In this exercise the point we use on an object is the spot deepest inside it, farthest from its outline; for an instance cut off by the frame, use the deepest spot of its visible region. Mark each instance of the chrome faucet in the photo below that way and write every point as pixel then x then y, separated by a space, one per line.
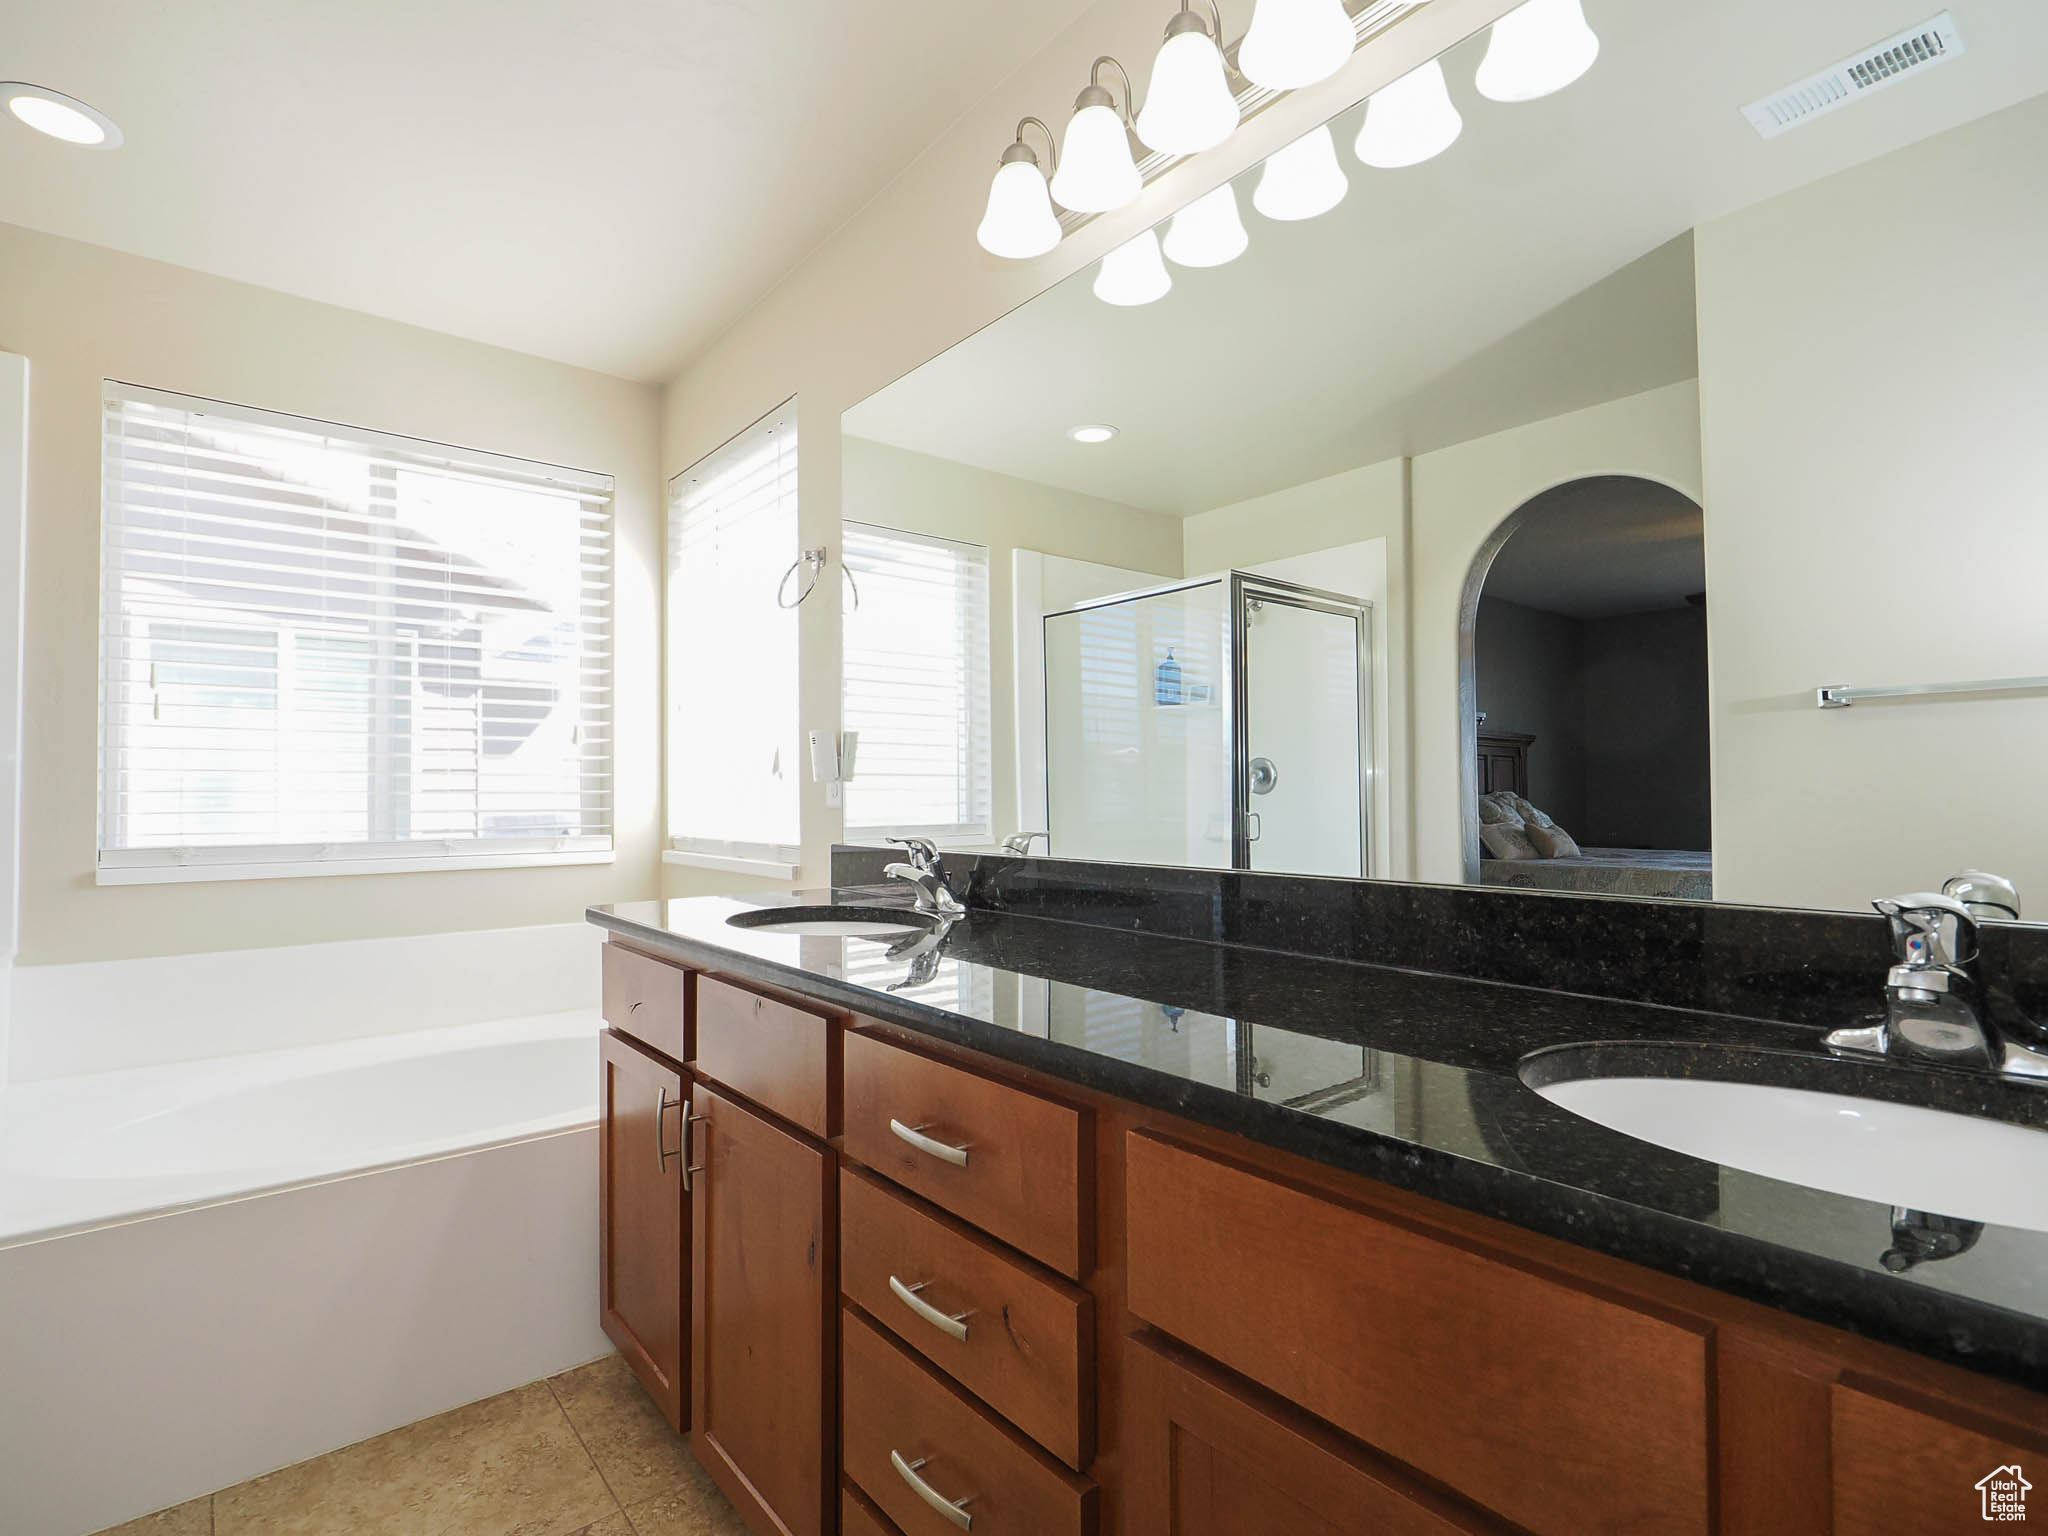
pixel 925 876
pixel 1019 843
pixel 1937 1008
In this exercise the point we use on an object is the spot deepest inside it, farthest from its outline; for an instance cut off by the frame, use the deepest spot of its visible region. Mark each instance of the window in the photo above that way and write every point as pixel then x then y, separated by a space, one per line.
pixel 916 686
pixel 733 783
pixel 325 650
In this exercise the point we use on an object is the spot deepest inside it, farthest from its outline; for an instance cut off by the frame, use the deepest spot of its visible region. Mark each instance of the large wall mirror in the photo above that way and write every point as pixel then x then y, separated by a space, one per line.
pixel 1502 518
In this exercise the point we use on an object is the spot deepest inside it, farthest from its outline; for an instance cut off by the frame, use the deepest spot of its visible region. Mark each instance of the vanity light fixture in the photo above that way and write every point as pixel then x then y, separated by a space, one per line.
pixel 1540 47
pixel 60 116
pixel 1092 432
pixel 1020 222
pixel 1133 274
pixel 1293 43
pixel 1302 180
pixel 1189 106
pixel 1208 232
pixel 1096 173
pixel 1410 121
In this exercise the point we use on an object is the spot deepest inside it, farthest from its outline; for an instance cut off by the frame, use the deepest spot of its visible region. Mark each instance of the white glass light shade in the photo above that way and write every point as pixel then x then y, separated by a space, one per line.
pixel 1096 172
pixel 1019 222
pixel 1410 121
pixel 1133 273
pixel 1540 47
pixel 1208 232
pixel 1293 43
pixel 1188 106
pixel 1302 180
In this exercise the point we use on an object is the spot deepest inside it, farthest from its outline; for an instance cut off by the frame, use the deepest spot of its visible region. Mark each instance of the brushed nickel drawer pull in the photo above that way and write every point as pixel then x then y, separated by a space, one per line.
pixel 954 1510
pixel 914 1134
pixel 688 1166
pixel 953 1324
pixel 660 1116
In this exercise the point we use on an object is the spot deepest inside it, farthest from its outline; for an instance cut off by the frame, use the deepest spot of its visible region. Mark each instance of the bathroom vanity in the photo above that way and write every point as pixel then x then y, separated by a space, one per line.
pixel 1092 1223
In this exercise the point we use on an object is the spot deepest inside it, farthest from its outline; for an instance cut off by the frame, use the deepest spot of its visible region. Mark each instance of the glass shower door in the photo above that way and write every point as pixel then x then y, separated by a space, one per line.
pixel 1307 758
pixel 1138 728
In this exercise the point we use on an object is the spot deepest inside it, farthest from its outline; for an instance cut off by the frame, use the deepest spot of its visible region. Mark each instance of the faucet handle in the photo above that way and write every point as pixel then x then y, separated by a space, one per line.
pixel 923 852
pixel 1989 897
pixel 1930 929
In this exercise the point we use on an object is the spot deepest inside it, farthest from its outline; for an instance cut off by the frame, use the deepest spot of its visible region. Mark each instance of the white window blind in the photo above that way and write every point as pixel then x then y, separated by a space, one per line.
pixel 732 648
pixel 326 650
pixel 916 686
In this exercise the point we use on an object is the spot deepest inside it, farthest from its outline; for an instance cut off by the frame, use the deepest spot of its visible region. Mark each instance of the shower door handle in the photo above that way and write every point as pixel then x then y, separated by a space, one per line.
pixel 1252 826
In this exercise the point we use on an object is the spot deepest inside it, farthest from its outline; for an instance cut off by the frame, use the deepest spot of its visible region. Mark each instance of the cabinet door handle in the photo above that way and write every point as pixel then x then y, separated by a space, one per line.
pixel 953 1324
pixel 914 1134
pixel 954 1510
pixel 688 1166
pixel 662 1155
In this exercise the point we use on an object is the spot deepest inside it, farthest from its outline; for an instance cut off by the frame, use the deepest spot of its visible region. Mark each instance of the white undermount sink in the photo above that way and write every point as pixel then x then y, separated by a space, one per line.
pixel 1899 1154
pixel 834 922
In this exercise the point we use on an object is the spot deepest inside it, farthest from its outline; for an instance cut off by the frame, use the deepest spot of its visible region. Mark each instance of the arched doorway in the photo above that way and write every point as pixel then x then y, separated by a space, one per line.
pixel 1583 694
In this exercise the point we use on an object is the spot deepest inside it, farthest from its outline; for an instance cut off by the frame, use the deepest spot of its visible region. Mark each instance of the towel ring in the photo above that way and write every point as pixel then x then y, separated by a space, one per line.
pixel 812 561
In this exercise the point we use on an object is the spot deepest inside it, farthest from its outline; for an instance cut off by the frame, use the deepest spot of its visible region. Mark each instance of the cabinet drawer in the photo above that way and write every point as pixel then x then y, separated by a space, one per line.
pixel 1210 1457
pixel 648 1000
pixel 1000 1157
pixel 904 1426
pixel 859 1517
pixel 1565 1411
pixel 1899 1467
pixel 782 1057
pixel 1026 1346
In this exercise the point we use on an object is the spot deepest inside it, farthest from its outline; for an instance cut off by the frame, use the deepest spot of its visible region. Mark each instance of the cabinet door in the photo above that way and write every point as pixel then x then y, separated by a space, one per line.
pixel 1213 1457
pixel 763 1390
pixel 644 1219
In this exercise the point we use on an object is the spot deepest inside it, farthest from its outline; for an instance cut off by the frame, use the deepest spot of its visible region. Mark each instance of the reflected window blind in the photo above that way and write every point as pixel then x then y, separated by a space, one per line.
pixel 916 686
pixel 332 648
pixel 732 648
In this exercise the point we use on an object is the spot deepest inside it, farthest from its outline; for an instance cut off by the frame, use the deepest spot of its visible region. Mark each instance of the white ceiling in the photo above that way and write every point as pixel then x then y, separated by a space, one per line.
pixel 606 182
pixel 1597 548
pixel 1540 265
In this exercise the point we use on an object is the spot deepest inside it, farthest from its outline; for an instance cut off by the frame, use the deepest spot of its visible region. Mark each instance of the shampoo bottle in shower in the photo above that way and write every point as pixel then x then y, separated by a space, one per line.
pixel 1166 680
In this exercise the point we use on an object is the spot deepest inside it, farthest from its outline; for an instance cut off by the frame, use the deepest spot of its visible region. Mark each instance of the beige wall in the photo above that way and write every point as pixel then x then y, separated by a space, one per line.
pixel 1461 495
pixel 1437 511
pixel 895 488
pixel 903 280
pixel 1873 372
pixel 81 314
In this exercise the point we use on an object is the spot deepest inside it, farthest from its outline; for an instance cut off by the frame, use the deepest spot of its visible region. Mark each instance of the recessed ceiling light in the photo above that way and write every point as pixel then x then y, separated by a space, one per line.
pixel 60 116
pixel 1094 432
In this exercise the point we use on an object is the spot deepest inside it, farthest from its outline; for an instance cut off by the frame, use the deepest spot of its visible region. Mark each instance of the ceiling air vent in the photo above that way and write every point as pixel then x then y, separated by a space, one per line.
pixel 1912 52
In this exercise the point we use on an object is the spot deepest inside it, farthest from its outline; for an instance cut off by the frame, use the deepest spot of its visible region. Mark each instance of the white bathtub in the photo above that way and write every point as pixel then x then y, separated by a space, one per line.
pixel 215 1268
pixel 77 1152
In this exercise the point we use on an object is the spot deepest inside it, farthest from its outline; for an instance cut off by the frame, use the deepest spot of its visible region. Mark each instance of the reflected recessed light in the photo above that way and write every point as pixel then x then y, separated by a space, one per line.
pixel 60 116
pixel 1093 433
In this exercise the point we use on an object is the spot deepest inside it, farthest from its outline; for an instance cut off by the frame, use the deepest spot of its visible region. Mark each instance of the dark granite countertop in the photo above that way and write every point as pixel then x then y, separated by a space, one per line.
pixel 1412 1078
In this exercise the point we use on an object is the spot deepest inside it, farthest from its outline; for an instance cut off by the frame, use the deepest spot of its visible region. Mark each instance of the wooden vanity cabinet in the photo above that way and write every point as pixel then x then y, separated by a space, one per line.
pixel 644 1218
pixel 1172 1331
pixel 1211 1456
pixel 764 1389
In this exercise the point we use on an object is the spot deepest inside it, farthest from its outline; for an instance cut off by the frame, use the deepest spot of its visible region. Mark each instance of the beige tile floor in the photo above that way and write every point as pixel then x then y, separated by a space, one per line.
pixel 580 1454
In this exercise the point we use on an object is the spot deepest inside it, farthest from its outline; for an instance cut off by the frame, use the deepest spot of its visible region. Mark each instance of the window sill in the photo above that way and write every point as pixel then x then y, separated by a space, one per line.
pixel 766 869
pixel 181 874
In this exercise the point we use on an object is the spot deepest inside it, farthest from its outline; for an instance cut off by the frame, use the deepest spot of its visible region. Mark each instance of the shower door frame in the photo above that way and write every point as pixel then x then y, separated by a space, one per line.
pixel 1242 586
pixel 1243 589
